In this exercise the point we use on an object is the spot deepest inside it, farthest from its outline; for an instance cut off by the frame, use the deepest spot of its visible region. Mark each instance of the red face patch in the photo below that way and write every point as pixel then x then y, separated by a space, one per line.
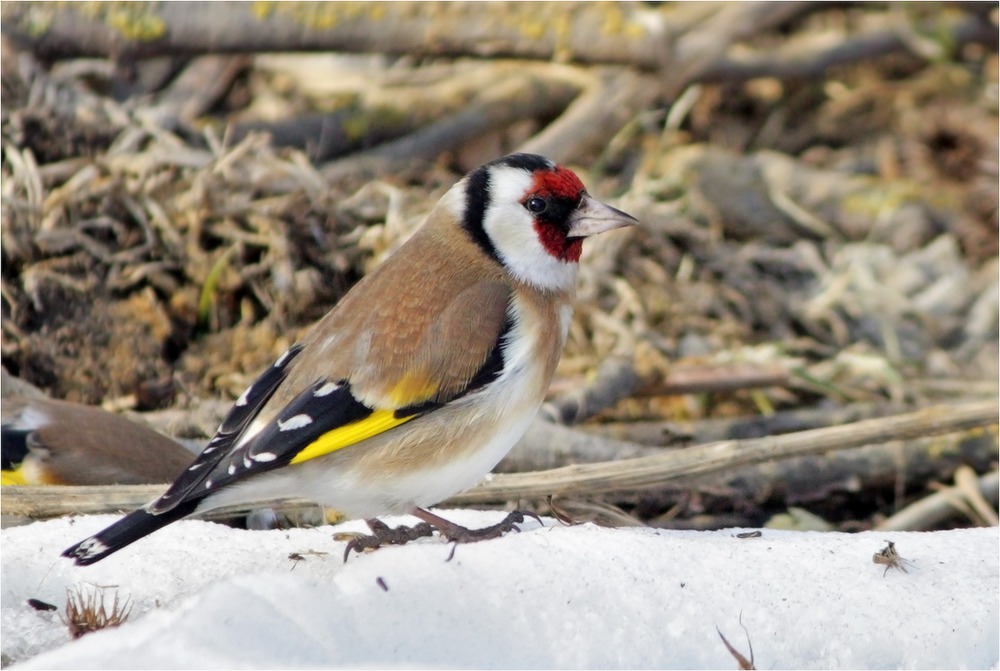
pixel 556 243
pixel 561 182
pixel 561 189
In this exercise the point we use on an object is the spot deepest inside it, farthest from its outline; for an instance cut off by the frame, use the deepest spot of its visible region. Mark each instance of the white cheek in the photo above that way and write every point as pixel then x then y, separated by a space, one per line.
pixel 512 231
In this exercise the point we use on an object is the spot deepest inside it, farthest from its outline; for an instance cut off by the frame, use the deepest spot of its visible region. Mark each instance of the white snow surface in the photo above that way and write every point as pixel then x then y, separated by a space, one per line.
pixel 208 596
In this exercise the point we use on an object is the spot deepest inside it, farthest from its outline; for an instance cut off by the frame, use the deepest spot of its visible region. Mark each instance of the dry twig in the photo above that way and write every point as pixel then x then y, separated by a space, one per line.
pixel 930 511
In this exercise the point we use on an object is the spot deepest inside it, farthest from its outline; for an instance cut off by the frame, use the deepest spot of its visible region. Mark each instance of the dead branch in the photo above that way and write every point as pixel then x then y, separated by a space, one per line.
pixel 696 51
pixel 547 445
pixel 328 136
pixel 392 108
pixel 811 56
pixel 885 467
pixel 609 33
pixel 525 96
pixel 930 511
pixel 196 89
pixel 690 379
pixel 686 45
pixel 621 475
pixel 681 434
pixel 595 116
pixel 646 374
pixel 618 377
pixel 646 472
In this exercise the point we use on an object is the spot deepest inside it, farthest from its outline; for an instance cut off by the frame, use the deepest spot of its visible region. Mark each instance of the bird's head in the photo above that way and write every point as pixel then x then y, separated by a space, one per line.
pixel 531 215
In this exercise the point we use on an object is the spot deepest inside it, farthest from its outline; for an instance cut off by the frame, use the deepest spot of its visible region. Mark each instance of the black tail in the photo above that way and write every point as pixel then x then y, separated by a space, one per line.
pixel 124 532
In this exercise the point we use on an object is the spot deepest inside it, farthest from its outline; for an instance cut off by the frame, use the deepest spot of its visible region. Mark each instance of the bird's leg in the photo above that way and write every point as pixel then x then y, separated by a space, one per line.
pixel 459 534
pixel 383 534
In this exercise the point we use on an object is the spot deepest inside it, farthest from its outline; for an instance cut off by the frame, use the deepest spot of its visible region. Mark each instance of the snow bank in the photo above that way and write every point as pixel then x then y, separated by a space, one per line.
pixel 207 596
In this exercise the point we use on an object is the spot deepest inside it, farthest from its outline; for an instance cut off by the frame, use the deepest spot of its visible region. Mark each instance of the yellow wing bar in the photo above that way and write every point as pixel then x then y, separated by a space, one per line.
pixel 349 434
pixel 15 477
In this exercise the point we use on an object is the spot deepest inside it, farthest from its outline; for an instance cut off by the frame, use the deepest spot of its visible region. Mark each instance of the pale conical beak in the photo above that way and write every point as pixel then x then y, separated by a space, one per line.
pixel 593 217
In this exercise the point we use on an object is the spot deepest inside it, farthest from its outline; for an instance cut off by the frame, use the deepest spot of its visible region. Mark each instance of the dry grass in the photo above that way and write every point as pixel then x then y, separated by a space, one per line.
pixel 86 610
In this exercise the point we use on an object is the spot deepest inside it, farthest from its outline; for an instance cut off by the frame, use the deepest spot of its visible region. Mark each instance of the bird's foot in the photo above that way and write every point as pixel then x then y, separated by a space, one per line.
pixel 456 533
pixel 383 534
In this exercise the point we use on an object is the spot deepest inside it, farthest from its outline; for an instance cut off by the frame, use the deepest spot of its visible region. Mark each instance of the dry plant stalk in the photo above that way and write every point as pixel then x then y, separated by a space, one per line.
pixel 87 612
pixel 743 662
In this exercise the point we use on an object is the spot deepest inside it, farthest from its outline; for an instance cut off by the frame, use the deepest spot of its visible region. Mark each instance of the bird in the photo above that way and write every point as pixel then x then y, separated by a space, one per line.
pixel 51 442
pixel 419 379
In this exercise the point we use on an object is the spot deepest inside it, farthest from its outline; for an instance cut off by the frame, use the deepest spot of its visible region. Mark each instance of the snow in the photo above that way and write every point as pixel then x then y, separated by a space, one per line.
pixel 208 596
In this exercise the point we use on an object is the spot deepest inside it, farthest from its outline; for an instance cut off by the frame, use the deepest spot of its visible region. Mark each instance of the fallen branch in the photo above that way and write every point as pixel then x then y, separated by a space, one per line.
pixel 695 52
pixel 195 90
pixel 610 33
pixel 617 378
pixel 547 445
pixel 393 106
pixel 936 508
pixel 621 377
pixel 594 118
pixel 651 471
pixel 622 475
pixel 812 55
pixel 898 465
pixel 525 96
pixel 682 434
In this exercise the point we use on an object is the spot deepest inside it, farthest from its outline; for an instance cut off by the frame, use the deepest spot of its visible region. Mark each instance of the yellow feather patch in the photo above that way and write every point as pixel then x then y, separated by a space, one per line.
pixel 15 477
pixel 413 389
pixel 339 438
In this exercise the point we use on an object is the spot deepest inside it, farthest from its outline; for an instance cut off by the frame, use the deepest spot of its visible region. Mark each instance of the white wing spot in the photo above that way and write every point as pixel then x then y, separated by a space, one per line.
pixel 327 389
pixel 231 469
pixel 242 400
pixel 281 359
pixel 296 422
pixel 264 457
pixel 246 462
pixel 208 484
pixel 195 466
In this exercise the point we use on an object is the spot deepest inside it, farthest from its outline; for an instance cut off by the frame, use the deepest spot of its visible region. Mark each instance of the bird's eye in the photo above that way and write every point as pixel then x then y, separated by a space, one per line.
pixel 536 204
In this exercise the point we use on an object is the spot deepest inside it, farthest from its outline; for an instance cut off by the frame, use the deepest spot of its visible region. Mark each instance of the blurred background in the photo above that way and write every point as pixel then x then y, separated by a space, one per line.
pixel 187 187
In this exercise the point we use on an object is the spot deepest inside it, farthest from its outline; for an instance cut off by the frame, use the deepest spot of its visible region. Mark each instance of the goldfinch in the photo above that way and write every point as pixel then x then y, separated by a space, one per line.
pixel 420 379
pixel 48 442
